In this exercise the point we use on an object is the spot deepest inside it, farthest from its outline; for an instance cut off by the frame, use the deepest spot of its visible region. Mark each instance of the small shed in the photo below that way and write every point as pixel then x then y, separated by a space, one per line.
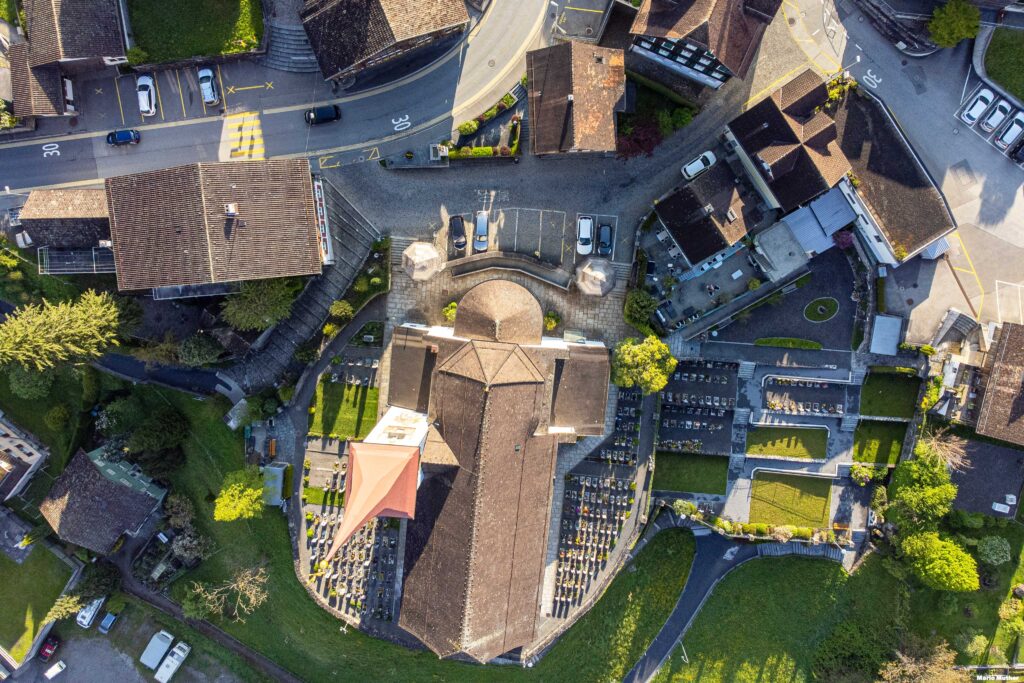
pixel 277 483
pixel 421 261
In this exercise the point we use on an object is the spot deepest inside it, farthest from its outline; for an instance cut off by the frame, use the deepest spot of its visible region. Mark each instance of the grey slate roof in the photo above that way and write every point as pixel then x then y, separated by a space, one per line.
pixel 1002 407
pixel 36 91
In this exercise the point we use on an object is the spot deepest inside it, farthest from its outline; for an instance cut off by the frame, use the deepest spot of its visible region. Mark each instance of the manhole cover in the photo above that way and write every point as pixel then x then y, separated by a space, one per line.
pixel 490 62
pixel 910 302
pixel 903 62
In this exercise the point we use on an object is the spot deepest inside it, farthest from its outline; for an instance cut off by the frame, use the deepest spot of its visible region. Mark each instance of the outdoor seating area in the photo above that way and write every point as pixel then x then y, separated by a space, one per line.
pixel 791 396
pixel 360 579
pixel 621 447
pixel 697 407
pixel 593 514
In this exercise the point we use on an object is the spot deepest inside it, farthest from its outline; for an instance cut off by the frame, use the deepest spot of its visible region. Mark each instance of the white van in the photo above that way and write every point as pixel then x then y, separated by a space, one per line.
pixel 87 614
pixel 174 659
pixel 158 646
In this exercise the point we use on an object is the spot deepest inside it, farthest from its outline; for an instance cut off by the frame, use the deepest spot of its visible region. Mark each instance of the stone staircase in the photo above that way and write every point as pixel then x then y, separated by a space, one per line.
pixel 849 423
pixel 857 377
pixel 288 49
pixel 746 370
pixel 353 237
pixel 825 550
pixel 518 92
pixel 741 416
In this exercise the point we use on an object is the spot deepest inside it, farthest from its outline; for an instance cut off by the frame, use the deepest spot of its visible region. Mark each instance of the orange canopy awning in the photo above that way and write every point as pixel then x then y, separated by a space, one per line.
pixel 382 480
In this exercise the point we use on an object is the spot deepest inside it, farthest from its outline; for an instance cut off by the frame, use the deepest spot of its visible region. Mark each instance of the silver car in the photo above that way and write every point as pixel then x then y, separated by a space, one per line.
pixel 145 86
pixel 977 107
pixel 480 232
pixel 208 87
pixel 999 114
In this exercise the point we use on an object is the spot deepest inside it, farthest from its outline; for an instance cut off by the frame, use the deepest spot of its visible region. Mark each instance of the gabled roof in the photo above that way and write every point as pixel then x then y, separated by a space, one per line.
pixel 381 481
pixel 90 509
pixel 575 90
pixel 1002 407
pixel 47 204
pixel 796 145
pixel 36 91
pixel 730 29
pixel 171 227
pixel 346 32
pixel 72 29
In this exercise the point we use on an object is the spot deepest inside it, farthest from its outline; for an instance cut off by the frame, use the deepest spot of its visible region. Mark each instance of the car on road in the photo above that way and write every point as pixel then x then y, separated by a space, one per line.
pixel 50 646
pixel 584 235
pixel 324 114
pixel 457 230
pixel 145 87
pixel 1011 134
pixel 54 670
pixel 117 138
pixel 208 87
pixel 999 114
pixel 973 111
pixel 108 622
pixel 87 614
pixel 699 165
pixel 481 230
pixel 605 240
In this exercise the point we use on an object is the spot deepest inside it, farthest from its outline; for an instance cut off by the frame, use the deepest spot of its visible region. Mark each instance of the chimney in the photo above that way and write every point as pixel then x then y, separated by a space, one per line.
pixel 231 210
pixel 569 97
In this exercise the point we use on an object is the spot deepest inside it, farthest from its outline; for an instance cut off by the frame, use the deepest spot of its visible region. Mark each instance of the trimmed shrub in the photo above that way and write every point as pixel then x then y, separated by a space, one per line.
pixel 449 311
pixel 993 550
pixel 469 127
pixel 482 152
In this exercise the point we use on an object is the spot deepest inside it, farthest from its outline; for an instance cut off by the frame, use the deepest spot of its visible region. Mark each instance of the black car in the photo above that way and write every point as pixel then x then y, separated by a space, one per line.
pixel 123 137
pixel 1018 155
pixel 604 240
pixel 324 114
pixel 457 229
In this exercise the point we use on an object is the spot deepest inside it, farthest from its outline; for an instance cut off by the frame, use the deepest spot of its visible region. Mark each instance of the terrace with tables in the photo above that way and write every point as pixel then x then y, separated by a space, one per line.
pixel 697 407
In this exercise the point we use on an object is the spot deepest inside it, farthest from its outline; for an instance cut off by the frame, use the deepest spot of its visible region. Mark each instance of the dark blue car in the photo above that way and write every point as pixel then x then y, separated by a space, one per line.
pixel 123 137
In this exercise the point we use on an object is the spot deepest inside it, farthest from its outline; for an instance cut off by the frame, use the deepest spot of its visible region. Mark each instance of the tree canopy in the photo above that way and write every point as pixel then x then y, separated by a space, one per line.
pixel 646 364
pixel 199 350
pixel 940 563
pixel 43 336
pixel 920 493
pixel 29 383
pixel 259 304
pixel 955 21
pixel 240 497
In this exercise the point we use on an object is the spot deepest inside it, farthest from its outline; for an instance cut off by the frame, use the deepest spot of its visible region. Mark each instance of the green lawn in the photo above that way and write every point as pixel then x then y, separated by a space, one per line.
pixel 343 411
pixel 828 308
pixel 691 472
pixel 788 343
pixel 27 591
pixel 790 499
pixel 889 395
pixel 878 442
pixel 790 442
pixel 1004 60
pixel 295 632
pixel 791 619
pixel 169 31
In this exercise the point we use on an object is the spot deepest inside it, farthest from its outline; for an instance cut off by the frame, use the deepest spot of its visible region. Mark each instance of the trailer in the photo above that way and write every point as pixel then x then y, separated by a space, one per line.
pixel 173 661
pixel 158 646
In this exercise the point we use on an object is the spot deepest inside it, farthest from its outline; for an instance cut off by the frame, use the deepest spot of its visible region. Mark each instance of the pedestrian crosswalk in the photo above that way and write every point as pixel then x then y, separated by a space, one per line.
pixel 242 137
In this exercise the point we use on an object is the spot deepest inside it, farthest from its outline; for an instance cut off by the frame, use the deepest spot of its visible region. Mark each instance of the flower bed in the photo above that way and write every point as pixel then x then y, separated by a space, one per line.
pixel 509 151
pixel 473 125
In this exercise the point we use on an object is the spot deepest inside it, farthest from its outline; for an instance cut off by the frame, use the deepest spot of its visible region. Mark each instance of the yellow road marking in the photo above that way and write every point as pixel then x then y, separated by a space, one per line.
pixel 120 107
pixel 771 86
pixel 242 114
pixel 223 92
pixel 586 9
pixel 181 94
pixel 374 154
pixel 246 87
pixel 159 100
pixel 964 270
pixel 322 162
pixel 974 271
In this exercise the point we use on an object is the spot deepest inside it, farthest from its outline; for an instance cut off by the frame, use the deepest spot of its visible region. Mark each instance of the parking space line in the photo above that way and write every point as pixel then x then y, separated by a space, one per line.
pixel 181 94
pixel 515 234
pixel 120 107
pixel 159 99
pixel 223 91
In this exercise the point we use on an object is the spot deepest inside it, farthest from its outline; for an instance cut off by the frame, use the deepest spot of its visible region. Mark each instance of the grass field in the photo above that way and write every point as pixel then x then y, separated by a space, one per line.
pixel 27 591
pixel 1004 60
pixel 788 343
pixel 768 619
pixel 828 309
pixel 889 395
pixel 788 442
pixel 790 499
pixel 343 411
pixel 878 442
pixel 169 31
pixel 293 631
pixel 690 472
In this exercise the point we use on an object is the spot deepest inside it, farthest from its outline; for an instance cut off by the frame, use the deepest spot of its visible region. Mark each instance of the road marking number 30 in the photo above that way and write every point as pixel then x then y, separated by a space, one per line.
pixel 871 79
pixel 51 149
pixel 401 123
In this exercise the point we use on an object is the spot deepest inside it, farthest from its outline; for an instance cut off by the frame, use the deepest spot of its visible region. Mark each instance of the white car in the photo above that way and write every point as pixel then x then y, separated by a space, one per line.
pixel 699 165
pixel 54 670
pixel 977 107
pixel 1011 134
pixel 145 87
pixel 208 87
pixel 995 119
pixel 584 235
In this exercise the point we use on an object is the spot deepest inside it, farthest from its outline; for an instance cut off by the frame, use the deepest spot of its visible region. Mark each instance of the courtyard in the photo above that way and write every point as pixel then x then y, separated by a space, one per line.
pixel 343 410
pixel 887 394
pixel 802 501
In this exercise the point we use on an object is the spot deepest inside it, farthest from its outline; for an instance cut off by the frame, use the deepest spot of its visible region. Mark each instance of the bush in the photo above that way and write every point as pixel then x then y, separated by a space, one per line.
pixel 804 533
pixel 331 330
pixel 57 417
pixel 198 350
pixel 955 21
pixel 681 116
pixel 758 529
pixel 551 320
pixel 505 151
pixel 341 311
pixel 361 285
pixel 29 384
pixel 449 311
pixel 1010 609
pixel 639 308
pixel 469 127
pixel 993 550
pixel 483 151
pixel 753 285
pixel 976 647
pixel 136 55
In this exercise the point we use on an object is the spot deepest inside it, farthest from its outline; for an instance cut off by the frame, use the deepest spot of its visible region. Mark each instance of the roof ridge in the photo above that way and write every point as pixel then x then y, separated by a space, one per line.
pixel 206 222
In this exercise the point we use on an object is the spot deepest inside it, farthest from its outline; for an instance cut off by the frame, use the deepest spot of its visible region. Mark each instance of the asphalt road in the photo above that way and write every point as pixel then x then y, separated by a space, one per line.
pixel 378 121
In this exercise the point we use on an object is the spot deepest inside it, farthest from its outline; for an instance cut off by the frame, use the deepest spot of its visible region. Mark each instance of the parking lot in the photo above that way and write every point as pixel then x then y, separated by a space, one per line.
pixel 545 234
pixel 697 408
pixel 973 105
pixel 112 97
pixel 793 396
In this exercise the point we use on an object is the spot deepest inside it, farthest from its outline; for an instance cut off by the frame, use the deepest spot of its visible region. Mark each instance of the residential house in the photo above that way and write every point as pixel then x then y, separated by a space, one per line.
pixel 64 38
pixel 706 41
pixel 1002 406
pixel 840 163
pixel 66 219
pixel 351 36
pixel 211 224
pixel 21 456
pixel 494 399
pixel 575 91
pixel 96 501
